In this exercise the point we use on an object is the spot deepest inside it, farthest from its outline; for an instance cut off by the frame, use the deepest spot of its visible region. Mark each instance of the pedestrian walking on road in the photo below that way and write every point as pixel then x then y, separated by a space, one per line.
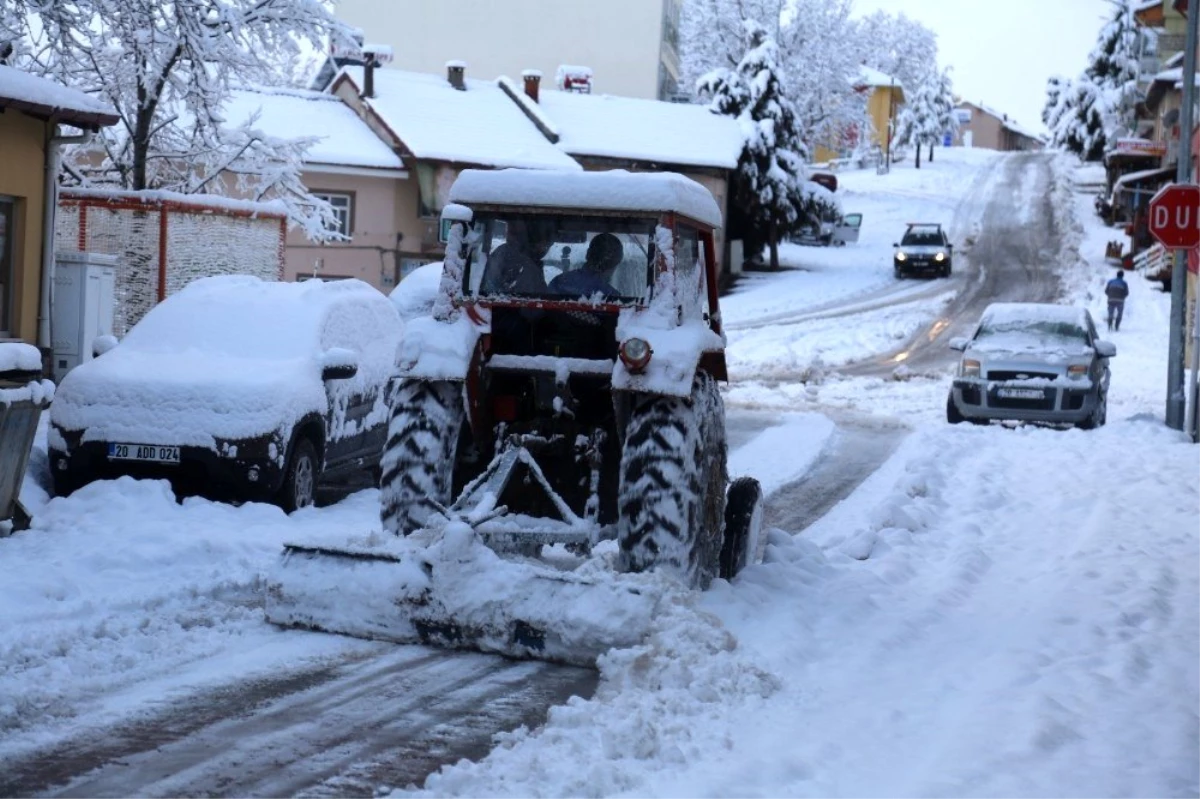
pixel 1116 290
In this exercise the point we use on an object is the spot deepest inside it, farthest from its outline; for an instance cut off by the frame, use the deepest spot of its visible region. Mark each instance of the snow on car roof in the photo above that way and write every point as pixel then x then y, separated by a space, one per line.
pixel 479 125
pixel 342 137
pixel 614 190
pixel 1017 312
pixel 242 315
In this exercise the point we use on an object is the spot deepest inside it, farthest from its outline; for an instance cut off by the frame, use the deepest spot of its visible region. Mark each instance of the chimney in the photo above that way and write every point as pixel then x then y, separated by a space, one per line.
pixel 368 78
pixel 533 79
pixel 456 74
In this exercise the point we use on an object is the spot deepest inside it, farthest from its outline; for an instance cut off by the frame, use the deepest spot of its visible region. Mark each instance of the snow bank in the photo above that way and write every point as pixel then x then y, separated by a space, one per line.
pixel 415 294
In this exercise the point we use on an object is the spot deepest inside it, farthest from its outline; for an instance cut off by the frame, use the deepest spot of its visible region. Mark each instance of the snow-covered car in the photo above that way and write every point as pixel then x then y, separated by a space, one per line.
pixel 924 249
pixel 414 295
pixel 1033 362
pixel 260 389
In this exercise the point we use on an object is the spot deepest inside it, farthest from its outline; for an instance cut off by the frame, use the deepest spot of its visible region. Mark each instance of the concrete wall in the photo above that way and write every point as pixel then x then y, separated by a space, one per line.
pixel 22 172
pixel 621 40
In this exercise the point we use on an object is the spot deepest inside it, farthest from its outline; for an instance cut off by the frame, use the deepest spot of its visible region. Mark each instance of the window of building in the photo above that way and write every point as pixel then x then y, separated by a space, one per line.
pixel 408 265
pixel 7 268
pixel 343 210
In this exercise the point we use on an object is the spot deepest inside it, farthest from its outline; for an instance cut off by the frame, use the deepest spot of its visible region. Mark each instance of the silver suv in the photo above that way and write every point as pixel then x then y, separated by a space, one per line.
pixel 1032 362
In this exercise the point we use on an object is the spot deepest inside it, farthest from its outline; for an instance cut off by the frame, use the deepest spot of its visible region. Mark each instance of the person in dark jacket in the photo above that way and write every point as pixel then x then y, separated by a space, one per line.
pixel 604 255
pixel 1116 290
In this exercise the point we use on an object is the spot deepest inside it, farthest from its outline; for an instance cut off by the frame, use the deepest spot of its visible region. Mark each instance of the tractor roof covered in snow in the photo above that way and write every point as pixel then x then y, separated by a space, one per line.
pixel 615 190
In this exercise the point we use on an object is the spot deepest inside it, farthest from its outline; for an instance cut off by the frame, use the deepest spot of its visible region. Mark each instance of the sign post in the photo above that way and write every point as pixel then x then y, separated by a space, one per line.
pixel 1175 222
pixel 1176 399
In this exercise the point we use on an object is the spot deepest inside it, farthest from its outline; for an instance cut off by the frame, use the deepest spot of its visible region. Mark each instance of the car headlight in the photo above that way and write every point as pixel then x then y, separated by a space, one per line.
pixel 941 256
pixel 901 256
pixel 970 368
pixel 1077 371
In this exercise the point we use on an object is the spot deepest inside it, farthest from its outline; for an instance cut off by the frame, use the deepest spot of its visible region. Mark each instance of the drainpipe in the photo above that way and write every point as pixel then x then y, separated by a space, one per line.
pixel 53 142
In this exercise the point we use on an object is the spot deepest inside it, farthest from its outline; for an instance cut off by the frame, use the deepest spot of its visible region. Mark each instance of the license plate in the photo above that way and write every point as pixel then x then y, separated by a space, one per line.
pixel 1021 393
pixel 155 453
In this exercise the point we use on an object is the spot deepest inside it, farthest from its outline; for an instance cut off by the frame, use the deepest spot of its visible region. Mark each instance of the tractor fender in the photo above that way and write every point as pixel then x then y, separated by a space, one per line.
pixel 433 349
pixel 676 353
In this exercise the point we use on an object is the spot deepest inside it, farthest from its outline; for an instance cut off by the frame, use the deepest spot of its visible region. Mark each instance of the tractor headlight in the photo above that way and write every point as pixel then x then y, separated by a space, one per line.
pixel 635 354
pixel 901 256
pixel 970 368
pixel 941 256
pixel 1077 371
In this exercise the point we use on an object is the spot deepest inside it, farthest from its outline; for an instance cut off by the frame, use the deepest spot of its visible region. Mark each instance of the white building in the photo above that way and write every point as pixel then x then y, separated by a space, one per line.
pixel 631 46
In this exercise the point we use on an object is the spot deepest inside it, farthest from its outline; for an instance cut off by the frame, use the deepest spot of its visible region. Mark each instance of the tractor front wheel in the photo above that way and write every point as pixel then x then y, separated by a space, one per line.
pixel 672 492
pixel 418 459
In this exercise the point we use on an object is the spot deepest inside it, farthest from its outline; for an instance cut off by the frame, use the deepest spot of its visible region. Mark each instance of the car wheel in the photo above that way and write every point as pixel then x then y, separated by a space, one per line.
pixel 953 416
pixel 899 274
pixel 64 483
pixel 1098 416
pixel 300 482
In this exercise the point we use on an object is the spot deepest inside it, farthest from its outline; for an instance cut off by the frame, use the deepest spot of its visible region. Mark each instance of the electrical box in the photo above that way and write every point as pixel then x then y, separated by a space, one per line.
pixel 83 306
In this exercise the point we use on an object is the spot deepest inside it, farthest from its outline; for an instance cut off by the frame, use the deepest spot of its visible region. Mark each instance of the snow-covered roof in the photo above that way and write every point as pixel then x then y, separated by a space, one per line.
pixel 1133 177
pixel 614 190
pixel 1174 77
pixel 869 76
pixel 343 139
pixel 437 122
pixel 642 130
pixel 45 98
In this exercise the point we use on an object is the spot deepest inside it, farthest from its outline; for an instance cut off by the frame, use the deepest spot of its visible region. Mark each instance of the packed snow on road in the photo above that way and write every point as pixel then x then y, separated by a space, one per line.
pixel 997 610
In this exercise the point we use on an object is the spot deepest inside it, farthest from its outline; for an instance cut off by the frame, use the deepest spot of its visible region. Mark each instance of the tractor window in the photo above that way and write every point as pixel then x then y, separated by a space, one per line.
pixel 690 271
pixel 560 257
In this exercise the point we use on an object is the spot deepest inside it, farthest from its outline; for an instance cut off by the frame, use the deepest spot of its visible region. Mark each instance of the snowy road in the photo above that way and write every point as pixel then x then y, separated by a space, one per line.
pixel 967 612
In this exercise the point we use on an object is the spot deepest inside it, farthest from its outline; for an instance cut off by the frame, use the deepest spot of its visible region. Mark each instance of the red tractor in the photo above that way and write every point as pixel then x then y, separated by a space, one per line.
pixel 564 392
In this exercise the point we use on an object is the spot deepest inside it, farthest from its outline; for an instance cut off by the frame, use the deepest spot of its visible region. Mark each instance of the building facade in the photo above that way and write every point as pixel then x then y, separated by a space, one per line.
pixel 631 46
pixel 982 126
pixel 31 110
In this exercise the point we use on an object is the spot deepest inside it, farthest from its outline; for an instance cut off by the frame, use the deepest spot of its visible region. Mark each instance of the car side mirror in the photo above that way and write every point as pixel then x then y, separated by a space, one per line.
pixel 1105 349
pixel 959 343
pixel 102 344
pixel 894 244
pixel 338 363
pixel 949 247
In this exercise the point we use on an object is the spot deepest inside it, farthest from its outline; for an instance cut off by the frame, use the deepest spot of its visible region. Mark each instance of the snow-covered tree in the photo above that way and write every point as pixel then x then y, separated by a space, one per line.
pixel 168 66
pixel 817 57
pixel 1087 115
pixel 768 185
pixel 944 100
pixel 897 45
pixel 921 119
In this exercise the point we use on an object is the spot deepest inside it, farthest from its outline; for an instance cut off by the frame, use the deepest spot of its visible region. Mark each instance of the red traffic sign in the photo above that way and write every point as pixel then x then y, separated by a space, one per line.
pixel 1175 216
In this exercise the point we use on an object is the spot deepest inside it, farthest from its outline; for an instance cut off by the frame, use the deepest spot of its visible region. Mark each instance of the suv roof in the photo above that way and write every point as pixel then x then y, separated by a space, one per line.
pixel 614 190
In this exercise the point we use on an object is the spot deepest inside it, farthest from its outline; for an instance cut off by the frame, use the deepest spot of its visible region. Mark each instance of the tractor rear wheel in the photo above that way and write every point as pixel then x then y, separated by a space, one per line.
pixel 672 492
pixel 418 459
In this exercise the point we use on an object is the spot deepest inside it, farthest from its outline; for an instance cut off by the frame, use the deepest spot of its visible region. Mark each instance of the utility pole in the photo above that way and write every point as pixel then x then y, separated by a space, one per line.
pixel 1176 399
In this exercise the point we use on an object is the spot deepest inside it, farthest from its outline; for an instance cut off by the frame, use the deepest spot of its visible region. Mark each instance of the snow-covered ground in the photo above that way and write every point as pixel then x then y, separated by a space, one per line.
pixel 995 612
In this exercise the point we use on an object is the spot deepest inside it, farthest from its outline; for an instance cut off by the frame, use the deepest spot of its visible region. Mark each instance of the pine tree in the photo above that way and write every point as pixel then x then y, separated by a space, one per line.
pixel 767 188
pixel 947 119
pixel 920 120
pixel 1086 115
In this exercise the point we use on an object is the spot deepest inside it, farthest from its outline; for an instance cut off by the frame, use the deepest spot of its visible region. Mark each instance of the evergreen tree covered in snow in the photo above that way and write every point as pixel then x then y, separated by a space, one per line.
pixel 767 190
pixel 1087 115
pixel 945 101
pixel 818 56
pixel 168 66
pixel 921 120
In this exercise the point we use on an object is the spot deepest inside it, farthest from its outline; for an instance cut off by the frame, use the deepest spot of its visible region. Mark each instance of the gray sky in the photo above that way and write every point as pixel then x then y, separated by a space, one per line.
pixel 1003 51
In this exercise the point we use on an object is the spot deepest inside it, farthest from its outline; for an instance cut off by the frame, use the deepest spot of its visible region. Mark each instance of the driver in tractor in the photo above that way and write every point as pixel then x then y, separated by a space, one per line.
pixel 515 267
pixel 604 255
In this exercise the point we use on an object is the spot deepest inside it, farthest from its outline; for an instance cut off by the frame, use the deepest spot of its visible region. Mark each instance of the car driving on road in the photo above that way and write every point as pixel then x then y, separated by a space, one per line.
pixel 1034 362
pixel 235 385
pixel 924 249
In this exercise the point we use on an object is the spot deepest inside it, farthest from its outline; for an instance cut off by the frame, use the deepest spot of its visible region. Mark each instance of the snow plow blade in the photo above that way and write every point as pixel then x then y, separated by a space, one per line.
pixel 459 594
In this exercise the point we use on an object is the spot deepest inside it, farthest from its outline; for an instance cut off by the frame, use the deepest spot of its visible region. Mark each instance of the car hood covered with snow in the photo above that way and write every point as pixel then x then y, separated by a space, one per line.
pixel 156 398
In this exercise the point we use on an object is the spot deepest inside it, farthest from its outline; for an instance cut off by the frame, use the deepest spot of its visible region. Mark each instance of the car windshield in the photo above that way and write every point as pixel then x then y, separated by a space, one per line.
pixel 922 237
pixel 1040 333
pixel 549 256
